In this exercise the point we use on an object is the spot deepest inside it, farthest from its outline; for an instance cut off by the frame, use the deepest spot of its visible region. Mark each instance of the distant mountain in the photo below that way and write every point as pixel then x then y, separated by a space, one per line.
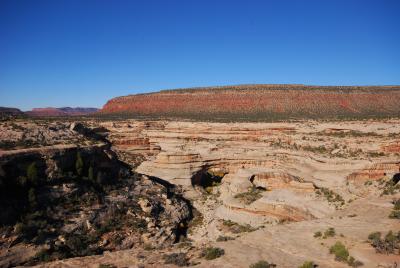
pixel 7 112
pixel 64 111
pixel 261 102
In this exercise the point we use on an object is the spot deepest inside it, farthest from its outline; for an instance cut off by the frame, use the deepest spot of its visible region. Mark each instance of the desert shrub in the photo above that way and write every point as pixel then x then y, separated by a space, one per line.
pixel 197 219
pixel 32 229
pixel 32 198
pixel 22 181
pixel 179 259
pixel 223 238
pixel 320 149
pixel 212 253
pixel 262 264
pixel 32 173
pixel 308 264
pixel 20 228
pixel 79 164
pixel 330 232
pixel 395 214
pixel 250 196
pixel 317 234
pixel 353 262
pixel 340 251
pixel 236 228
pixel 331 196
pixel 396 204
pixel 389 244
pixel 91 173
pixel 148 247
pixel 390 188
pixel 42 256
pixel 102 265
pixel 79 245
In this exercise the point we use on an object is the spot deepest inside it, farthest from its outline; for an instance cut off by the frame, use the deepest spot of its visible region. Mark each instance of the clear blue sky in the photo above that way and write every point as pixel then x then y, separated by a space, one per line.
pixel 82 53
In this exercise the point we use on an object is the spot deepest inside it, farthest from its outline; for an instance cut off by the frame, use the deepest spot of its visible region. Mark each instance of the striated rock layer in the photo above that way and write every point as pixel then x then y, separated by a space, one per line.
pixel 256 102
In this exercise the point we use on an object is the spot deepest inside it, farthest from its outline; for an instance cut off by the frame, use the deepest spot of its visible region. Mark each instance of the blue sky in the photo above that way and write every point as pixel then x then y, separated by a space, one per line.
pixel 82 53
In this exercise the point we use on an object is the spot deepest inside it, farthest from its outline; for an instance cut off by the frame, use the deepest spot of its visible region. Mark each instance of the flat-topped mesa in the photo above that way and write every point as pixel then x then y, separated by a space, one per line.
pixel 257 102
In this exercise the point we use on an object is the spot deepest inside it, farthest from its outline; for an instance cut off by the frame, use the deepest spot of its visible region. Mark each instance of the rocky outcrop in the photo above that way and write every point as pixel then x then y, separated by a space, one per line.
pixel 68 200
pixel 375 172
pixel 258 102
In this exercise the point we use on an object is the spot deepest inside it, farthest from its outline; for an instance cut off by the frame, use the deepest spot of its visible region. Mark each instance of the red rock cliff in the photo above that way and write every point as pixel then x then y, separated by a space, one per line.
pixel 261 101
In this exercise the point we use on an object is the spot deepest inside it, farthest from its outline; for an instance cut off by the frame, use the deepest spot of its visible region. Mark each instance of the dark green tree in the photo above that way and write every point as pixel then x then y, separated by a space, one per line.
pixel 32 173
pixel 32 198
pixel 91 173
pixel 79 164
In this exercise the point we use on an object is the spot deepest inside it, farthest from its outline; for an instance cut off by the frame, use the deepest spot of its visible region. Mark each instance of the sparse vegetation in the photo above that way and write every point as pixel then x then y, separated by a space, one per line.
pixel 107 266
pixel 348 134
pixel 262 264
pixel 316 149
pixel 391 188
pixel 223 238
pixel 236 228
pixel 212 253
pixel 308 264
pixel 342 254
pixel 390 244
pixel 395 214
pixel 79 164
pixel 42 256
pixel 330 232
pixel 179 259
pixel 331 196
pixel 353 262
pixel 317 234
pixel 32 173
pixel 250 196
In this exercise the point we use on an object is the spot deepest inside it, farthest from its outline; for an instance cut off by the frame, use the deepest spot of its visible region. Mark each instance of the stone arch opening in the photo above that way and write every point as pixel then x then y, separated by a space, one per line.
pixel 207 177
pixel 396 178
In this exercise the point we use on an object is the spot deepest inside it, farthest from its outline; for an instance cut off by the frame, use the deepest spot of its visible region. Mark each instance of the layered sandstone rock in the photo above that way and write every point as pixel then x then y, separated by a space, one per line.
pixel 254 102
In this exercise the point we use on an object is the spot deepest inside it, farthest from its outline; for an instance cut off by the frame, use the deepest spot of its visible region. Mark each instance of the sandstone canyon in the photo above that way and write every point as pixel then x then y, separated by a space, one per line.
pixel 279 176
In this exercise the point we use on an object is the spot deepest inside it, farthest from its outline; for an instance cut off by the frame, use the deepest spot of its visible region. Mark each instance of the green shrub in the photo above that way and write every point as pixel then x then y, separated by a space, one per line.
pixel 387 245
pixel 317 234
pixel 32 173
pixel 353 262
pixel 19 228
pixel 376 236
pixel 396 204
pixel 395 213
pixel 106 266
pixel 330 232
pixel 340 252
pixel 331 196
pixel 32 198
pixel 91 173
pixel 237 228
pixel 250 196
pixel 79 164
pixel 262 264
pixel 223 238
pixel 43 256
pixel 212 253
pixel 308 264
pixel 179 259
